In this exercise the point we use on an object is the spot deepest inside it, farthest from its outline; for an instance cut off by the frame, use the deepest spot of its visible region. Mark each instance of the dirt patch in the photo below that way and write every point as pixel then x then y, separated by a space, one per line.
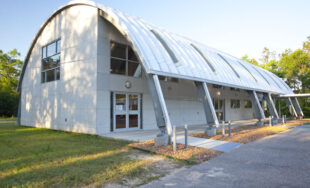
pixel 190 154
pixel 244 134
pixel 157 167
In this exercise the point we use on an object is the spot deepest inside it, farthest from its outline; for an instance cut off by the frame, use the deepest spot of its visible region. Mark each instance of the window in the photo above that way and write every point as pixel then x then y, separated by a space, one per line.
pixel 168 79
pixel 234 103
pixel 124 61
pixel 247 104
pixel 51 62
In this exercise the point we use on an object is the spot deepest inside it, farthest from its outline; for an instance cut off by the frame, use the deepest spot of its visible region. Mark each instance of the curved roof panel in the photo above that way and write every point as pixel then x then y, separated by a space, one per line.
pixel 164 53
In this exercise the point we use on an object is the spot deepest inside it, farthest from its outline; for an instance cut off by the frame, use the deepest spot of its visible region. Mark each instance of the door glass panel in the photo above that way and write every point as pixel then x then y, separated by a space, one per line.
pixel 221 104
pixel 120 102
pixel 216 105
pixel 219 116
pixel 120 121
pixel 133 102
pixel 133 120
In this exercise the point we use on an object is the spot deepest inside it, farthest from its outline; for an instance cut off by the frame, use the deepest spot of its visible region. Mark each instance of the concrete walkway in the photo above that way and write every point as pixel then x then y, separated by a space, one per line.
pixel 145 135
pixel 218 145
pixel 281 160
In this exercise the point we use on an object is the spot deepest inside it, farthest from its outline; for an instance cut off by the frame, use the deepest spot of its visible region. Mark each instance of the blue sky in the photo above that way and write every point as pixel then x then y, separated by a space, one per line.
pixel 237 27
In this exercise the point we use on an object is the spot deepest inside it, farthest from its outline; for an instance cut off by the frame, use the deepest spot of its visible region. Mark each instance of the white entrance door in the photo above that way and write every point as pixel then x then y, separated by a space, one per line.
pixel 126 111
pixel 219 106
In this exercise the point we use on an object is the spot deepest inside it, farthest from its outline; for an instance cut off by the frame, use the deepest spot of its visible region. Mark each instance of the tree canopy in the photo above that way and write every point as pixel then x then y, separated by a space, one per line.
pixel 10 68
pixel 292 66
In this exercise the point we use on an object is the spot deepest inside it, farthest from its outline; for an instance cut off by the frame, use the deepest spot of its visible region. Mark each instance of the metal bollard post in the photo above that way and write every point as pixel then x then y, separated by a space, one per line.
pixel 269 121
pixel 283 121
pixel 229 127
pixel 174 139
pixel 223 128
pixel 185 136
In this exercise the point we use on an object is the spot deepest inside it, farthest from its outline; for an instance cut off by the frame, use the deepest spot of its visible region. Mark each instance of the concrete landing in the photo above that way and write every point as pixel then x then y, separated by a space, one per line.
pixel 218 145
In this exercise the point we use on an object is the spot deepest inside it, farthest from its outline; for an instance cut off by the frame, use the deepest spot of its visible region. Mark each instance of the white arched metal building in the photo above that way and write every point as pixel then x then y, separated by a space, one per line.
pixel 96 70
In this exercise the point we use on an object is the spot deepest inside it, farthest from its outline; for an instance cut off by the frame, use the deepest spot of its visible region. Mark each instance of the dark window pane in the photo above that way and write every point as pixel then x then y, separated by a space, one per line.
pixel 118 50
pixel 133 121
pixel 131 55
pixel 234 103
pixel 134 69
pixel 43 77
pixel 247 104
pixel 118 66
pixel 44 52
pixel 58 47
pixel 51 49
pixel 50 75
pixel 133 102
pixel 120 121
pixel 120 102
pixel 216 104
pixel 51 62
pixel 58 73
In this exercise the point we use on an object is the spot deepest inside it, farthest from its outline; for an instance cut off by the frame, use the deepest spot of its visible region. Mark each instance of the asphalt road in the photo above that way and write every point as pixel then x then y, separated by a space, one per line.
pixel 281 160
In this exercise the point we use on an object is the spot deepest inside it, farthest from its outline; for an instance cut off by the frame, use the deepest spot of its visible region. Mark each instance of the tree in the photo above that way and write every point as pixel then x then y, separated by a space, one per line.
pixel 296 69
pixel 10 68
pixel 267 55
pixel 247 59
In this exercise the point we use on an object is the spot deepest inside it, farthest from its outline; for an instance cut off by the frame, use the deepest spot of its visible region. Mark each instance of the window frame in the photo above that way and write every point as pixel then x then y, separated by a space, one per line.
pixel 44 56
pixel 127 60
pixel 234 103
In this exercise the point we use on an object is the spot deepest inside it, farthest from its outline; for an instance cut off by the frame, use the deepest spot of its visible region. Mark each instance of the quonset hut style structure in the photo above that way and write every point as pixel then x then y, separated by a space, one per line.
pixel 96 70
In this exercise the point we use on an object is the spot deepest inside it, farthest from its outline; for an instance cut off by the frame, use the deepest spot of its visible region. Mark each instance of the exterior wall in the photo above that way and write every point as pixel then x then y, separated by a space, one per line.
pixel 69 103
pixel 183 103
pixel 80 100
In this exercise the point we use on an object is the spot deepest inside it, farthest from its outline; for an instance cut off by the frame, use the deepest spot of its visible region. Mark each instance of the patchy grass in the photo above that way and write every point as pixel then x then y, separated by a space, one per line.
pixel 35 157
pixel 245 134
pixel 191 154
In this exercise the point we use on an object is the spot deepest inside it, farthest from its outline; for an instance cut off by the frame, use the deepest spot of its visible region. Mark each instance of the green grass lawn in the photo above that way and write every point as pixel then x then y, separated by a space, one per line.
pixel 34 157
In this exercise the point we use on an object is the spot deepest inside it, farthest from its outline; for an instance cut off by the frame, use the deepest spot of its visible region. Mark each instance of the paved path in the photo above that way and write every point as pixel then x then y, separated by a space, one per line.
pixel 218 145
pixel 281 160
pixel 144 135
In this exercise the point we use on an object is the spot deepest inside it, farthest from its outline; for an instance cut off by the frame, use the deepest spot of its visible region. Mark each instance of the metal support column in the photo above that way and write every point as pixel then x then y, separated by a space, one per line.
pixel 291 107
pixel 259 112
pixel 207 103
pixel 272 109
pixel 160 108
pixel 297 107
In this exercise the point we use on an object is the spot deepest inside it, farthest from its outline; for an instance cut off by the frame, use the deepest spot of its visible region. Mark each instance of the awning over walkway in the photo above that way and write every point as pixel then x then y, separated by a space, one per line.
pixel 294 95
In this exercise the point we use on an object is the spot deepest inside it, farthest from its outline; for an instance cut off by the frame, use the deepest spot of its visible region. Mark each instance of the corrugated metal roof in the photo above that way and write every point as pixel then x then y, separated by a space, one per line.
pixel 165 53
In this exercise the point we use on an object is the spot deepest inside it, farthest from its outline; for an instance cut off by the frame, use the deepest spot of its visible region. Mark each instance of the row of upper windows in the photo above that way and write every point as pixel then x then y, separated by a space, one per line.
pixel 123 62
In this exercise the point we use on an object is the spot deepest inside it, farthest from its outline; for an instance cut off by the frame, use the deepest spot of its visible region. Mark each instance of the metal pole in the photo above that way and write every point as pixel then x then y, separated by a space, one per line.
pixel 223 128
pixel 229 127
pixel 186 134
pixel 283 120
pixel 174 139
pixel 270 121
